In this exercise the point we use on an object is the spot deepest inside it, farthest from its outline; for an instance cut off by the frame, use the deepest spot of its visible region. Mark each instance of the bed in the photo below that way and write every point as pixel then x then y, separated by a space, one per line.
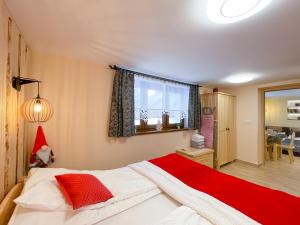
pixel 175 191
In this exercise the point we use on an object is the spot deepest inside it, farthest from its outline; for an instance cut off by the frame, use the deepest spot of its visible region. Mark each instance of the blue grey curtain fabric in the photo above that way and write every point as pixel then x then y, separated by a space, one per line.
pixel 194 108
pixel 122 106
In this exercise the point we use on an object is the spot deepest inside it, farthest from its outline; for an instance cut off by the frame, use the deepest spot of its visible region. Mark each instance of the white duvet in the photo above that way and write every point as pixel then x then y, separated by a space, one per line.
pixel 209 209
pixel 132 186
pixel 184 216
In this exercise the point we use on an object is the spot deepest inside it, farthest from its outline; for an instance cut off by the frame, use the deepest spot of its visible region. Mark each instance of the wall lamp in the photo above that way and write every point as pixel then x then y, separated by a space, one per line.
pixel 34 110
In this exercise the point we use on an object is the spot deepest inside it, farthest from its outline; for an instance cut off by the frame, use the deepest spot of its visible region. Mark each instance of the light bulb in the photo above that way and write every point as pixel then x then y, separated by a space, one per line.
pixel 37 107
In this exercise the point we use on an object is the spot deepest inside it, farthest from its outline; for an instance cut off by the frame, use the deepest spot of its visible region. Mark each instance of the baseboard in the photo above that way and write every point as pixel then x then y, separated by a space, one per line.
pixel 249 163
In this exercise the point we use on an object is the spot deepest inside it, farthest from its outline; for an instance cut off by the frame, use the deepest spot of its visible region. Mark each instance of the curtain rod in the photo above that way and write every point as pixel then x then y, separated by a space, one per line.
pixel 114 67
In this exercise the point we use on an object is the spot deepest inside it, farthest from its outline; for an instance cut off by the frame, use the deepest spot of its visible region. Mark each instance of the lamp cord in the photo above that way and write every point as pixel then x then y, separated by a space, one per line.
pixel 38 96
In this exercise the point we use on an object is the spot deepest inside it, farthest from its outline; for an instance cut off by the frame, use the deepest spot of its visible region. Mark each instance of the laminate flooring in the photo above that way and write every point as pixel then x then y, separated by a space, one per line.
pixel 279 175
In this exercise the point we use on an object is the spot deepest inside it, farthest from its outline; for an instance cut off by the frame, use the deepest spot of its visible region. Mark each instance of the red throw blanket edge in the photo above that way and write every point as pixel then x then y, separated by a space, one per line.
pixel 264 205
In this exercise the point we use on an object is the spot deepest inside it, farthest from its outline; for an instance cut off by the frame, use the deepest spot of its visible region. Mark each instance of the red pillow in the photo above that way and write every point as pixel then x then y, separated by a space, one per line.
pixel 82 189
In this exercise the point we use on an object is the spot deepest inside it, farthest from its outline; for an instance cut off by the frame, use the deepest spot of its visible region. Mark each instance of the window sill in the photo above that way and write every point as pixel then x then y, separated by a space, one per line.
pixel 161 131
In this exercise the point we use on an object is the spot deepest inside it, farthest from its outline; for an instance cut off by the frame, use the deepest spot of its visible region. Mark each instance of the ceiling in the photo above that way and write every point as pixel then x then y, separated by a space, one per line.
pixel 169 38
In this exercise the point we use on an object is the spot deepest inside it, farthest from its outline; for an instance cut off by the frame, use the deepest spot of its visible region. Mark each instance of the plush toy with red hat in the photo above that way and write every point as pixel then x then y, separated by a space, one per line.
pixel 42 155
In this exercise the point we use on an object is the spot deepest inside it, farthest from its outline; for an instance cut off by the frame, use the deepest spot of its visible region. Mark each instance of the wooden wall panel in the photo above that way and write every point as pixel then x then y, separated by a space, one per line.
pixel 13 61
pixel 2 97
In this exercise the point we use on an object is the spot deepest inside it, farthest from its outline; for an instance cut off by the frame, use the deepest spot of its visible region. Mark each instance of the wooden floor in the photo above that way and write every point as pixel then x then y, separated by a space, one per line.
pixel 278 175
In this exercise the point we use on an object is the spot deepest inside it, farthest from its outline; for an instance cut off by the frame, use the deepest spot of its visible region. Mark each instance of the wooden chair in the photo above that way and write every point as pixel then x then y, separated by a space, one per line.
pixel 268 148
pixel 289 147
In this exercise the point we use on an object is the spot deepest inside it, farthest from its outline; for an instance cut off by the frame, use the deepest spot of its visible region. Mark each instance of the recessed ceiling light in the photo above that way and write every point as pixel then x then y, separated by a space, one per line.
pixel 230 11
pixel 241 78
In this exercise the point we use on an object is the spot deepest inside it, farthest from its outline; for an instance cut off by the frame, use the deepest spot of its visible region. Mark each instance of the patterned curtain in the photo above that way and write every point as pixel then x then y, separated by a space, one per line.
pixel 122 105
pixel 194 108
pixel 13 61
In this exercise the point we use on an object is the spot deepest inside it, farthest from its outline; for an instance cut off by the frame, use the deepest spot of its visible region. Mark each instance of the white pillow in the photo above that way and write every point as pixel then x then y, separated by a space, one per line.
pixel 43 196
pixel 42 192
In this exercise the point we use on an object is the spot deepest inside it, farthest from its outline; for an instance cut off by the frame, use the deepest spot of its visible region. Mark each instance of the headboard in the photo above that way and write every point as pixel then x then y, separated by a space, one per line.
pixel 7 206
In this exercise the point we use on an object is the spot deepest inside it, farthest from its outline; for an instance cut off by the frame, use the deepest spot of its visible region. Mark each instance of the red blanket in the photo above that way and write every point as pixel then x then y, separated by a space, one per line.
pixel 264 205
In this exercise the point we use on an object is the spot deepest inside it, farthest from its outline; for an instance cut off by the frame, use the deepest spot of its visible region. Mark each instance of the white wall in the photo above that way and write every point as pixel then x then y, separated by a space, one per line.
pixel 276 112
pixel 249 121
pixel 80 93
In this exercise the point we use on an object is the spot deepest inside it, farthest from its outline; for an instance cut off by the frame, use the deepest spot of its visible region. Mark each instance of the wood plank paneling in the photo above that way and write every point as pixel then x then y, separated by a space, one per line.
pixel 13 61
pixel 2 97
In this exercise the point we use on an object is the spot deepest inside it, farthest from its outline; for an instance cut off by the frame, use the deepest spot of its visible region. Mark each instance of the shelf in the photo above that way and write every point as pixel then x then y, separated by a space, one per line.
pixel 162 131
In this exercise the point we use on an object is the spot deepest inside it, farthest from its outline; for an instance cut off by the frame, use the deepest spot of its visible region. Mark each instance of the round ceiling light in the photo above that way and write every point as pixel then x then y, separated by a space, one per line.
pixel 230 11
pixel 241 78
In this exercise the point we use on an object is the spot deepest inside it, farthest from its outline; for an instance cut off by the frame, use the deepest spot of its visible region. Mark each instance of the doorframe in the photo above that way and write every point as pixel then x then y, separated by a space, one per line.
pixel 262 121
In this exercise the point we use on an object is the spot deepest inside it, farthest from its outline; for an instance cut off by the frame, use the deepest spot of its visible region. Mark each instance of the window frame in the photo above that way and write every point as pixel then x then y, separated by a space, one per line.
pixel 166 125
pixel 144 127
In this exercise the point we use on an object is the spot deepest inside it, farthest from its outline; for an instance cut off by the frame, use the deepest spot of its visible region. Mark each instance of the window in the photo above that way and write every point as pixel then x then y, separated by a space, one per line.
pixel 160 102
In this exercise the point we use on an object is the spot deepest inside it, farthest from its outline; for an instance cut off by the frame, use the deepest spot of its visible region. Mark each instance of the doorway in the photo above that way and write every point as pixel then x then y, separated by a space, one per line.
pixel 281 123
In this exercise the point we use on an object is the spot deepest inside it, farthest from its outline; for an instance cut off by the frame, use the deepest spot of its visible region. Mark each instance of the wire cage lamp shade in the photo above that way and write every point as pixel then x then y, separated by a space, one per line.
pixel 37 110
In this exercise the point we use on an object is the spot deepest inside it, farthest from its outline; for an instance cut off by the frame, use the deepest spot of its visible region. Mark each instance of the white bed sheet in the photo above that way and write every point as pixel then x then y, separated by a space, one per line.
pixel 149 212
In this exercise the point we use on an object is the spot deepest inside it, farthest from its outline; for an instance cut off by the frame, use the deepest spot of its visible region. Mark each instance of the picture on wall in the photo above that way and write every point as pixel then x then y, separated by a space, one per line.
pixel 293 110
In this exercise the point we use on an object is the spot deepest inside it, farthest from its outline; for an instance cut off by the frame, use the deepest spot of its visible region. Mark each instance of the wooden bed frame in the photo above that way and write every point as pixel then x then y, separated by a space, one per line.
pixel 7 206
